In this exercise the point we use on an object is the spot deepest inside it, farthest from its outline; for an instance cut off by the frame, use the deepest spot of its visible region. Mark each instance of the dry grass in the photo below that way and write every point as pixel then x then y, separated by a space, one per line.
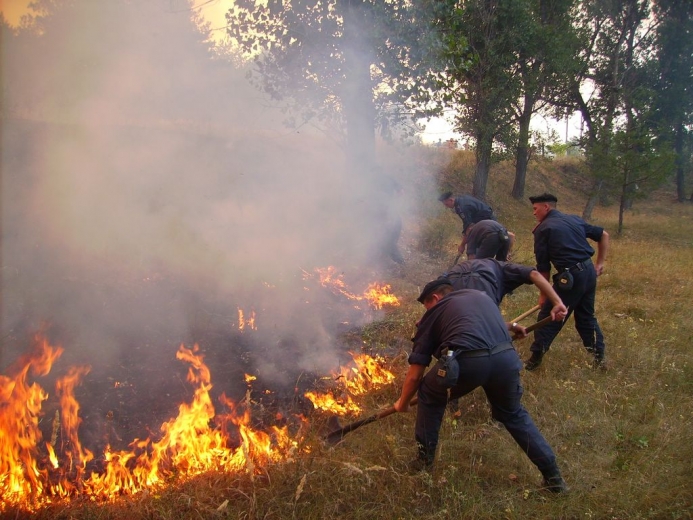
pixel 623 437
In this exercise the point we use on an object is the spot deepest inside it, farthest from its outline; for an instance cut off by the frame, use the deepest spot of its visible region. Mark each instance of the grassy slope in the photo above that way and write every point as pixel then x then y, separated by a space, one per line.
pixel 623 437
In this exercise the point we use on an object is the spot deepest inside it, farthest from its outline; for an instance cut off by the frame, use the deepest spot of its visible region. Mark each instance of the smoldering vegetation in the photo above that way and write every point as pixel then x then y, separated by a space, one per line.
pixel 152 198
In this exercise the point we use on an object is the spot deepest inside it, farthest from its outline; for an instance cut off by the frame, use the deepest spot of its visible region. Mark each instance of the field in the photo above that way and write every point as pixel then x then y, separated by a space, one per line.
pixel 623 436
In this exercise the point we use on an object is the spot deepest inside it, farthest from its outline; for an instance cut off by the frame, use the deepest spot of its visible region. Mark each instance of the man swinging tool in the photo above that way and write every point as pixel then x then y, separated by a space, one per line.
pixel 468 323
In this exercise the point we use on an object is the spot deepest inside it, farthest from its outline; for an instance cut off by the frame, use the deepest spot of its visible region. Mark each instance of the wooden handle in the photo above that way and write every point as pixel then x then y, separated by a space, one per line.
pixel 337 435
pixel 525 314
pixel 535 326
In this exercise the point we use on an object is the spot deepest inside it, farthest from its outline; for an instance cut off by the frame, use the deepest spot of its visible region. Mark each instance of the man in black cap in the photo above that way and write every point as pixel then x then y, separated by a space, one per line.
pixel 561 240
pixel 468 324
pixel 471 210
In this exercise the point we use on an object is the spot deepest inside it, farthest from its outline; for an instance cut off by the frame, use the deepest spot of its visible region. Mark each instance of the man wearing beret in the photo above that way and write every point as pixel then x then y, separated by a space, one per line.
pixel 470 209
pixel 468 324
pixel 561 240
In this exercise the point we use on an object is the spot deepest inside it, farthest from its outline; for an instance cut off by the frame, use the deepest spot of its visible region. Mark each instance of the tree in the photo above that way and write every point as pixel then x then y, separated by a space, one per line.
pixel 348 63
pixel 674 103
pixel 609 30
pixel 480 41
pixel 547 51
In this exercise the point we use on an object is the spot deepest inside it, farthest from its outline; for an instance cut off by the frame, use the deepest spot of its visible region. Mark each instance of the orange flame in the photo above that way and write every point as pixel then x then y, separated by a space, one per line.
pixel 367 374
pixel 243 322
pixel 188 445
pixel 377 295
pixel 20 476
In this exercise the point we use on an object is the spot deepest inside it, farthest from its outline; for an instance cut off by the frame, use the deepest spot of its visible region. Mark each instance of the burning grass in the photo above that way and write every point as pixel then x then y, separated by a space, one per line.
pixel 198 441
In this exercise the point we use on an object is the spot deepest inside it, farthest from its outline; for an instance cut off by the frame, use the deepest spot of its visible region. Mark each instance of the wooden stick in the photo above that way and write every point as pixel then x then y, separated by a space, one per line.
pixel 535 326
pixel 337 435
pixel 525 314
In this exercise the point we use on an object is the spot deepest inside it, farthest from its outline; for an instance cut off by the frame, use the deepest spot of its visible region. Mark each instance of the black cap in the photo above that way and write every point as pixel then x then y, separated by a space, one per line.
pixel 432 286
pixel 544 197
pixel 445 196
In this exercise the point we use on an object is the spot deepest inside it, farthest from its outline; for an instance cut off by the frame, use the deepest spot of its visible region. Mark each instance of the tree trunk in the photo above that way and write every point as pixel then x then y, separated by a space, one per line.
pixel 522 155
pixel 680 171
pixel 621 209
pixel 357 96
pixel 592 201
pixel 483 163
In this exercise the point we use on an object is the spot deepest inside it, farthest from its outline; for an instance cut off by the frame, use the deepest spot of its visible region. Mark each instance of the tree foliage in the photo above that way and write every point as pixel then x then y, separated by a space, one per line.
pixel 354 65
pixel 674 103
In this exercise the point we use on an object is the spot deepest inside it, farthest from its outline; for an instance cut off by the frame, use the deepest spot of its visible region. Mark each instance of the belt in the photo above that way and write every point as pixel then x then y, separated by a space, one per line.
pixel 580 266
pixel 502 347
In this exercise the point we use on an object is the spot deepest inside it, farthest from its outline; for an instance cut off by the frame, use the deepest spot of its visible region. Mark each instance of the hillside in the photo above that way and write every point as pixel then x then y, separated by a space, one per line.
pixel 622 436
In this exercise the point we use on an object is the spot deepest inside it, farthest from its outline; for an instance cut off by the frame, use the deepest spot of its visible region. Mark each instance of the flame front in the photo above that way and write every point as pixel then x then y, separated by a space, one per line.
pixel 30 474
pixel 20 476
pixel 377 295
pixel 366 374
pixel 34 472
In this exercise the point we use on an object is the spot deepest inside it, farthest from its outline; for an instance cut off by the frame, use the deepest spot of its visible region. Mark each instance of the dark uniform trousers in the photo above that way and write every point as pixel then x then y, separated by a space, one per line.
pixel 493 246
pixel 499 376
pixel 580 302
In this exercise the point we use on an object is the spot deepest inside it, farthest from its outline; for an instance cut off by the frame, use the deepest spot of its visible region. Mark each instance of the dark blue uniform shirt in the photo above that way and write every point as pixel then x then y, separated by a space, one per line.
pixel 489 275
pixel 472 210
pixel 466 320
pixel 561 240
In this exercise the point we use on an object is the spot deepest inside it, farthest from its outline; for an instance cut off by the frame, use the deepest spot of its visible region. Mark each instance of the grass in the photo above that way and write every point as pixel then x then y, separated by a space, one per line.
pixel 623 437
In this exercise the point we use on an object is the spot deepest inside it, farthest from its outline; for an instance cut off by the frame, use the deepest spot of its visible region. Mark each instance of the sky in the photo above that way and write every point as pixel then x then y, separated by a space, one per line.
pixel 12 10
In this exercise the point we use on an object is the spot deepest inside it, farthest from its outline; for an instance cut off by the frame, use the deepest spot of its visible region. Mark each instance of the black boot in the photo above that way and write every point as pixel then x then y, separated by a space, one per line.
pixel 534 361
pixel 424 461
pixel 555 484
pixel 599 361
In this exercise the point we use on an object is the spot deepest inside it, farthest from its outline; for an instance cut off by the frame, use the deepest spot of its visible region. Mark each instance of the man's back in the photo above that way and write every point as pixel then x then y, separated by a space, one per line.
pixel 491 276
pixel 471 210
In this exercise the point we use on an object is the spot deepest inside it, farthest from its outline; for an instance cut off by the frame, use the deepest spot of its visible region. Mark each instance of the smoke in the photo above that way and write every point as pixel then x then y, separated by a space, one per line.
pixel 149 194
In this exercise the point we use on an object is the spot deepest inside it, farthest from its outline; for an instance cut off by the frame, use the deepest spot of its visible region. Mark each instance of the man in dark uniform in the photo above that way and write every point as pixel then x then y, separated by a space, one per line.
pixel 488 239
pixel 469 323
pixel 471 210
pixel 561 240
pixel 497 279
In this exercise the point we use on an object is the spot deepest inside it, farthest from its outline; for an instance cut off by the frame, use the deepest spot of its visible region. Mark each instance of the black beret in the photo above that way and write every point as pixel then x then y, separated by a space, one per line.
pixel 544 197
pixel 432 286
pixel 445 196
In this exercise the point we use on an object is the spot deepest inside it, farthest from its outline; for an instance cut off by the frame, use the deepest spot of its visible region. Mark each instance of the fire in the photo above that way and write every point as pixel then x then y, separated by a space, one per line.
pixel 20 476
pixel 330 403
pixel 366 374
pixel 33 471
pixel 244 322
pixel 377 295
pixel 380 295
